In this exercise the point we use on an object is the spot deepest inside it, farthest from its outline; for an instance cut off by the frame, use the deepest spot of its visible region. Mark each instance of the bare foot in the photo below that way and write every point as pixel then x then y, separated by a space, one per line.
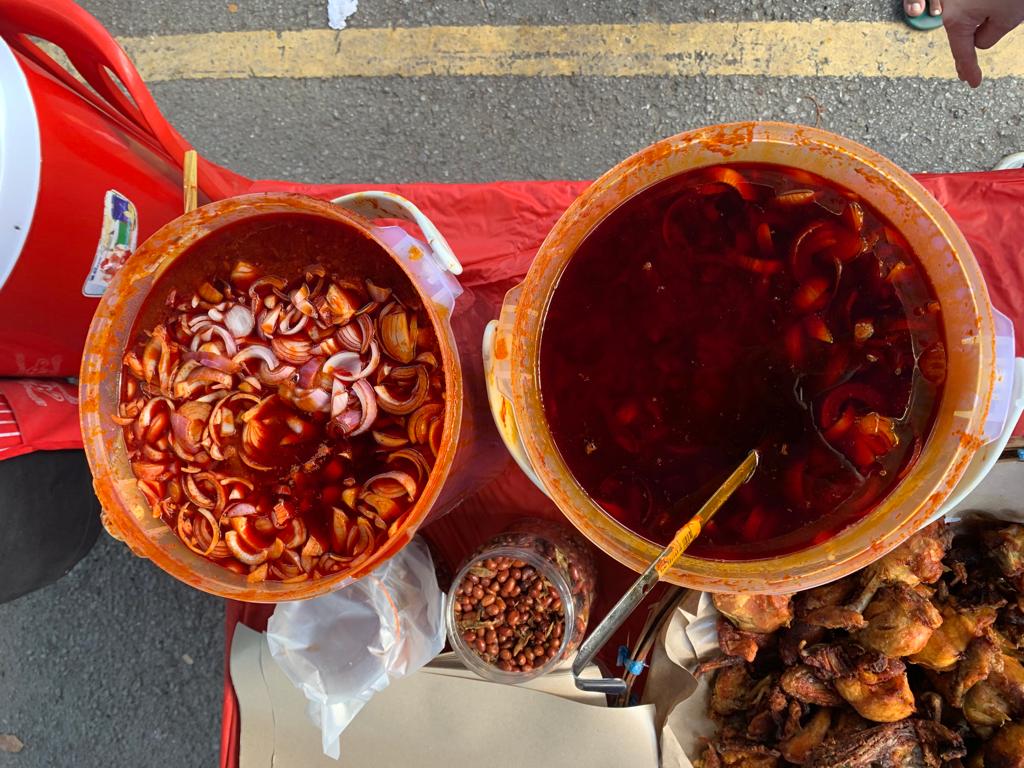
pixel 916 7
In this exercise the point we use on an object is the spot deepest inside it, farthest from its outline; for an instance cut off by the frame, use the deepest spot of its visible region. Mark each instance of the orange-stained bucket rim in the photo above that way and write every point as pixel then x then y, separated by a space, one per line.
pixel 955 436
pixel 124 509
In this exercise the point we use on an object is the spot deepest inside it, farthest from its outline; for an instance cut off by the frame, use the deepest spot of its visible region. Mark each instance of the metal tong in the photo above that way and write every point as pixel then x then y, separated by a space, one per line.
pixel 628 602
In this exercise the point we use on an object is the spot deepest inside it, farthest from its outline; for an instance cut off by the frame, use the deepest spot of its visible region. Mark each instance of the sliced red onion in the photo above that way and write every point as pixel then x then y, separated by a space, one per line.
pixel 185 389
pixel 377 293
pixel 368 405
pixel 154 454
pixel 213 397
pixel 343 364
pixel 404 480
pixel 269 319
pixel 348 420
pixel 271 281
pixel 199 323
pixel 312 400
pixel 241 509
pixel 294 351
pixel 181 428
pixel 230 347
pixel 239 321
pixel 292 322
pixel 414 457
pixel 215 361
pixel 416 398
pixel 242 274
pixel 339 398
pixel 294 535
pixel 146 415
pixel 216 315
pixel 277 375
pixel 183 372
pixel 341 302
pixel 210 376
pixel 309 373
pixel 350 336
pixel 368 330
pixel 257 352
pixel 329 346
pixel 300 298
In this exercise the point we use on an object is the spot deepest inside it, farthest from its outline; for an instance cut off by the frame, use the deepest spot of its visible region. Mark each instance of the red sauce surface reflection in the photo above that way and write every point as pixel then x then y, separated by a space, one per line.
pixel 738 307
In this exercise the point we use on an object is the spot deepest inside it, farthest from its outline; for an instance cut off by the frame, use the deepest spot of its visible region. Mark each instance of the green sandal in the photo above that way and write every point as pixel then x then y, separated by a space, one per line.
pixel 925 22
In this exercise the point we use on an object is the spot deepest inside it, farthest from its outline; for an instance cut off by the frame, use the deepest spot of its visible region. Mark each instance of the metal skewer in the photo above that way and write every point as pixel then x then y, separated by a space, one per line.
pixel 635 594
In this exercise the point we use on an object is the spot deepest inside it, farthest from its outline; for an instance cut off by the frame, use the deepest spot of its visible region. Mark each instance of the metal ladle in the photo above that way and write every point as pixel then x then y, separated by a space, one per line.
pixel 635 594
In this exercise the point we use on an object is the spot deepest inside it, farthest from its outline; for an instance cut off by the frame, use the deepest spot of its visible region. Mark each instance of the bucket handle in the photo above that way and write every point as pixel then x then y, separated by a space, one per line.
pixel 501 406
pixel 375 205
pixel 105 66
pixel 1001 403
pixel 497 356
pixel 434 264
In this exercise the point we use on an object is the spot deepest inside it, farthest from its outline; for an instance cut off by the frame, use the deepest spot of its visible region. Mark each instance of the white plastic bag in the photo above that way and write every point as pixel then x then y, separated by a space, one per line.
pixel 341 648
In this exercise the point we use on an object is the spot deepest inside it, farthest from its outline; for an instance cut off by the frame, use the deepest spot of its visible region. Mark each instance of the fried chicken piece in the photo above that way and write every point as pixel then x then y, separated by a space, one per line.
pixel 831 660
pixel 733 691
pixel 794 716
pixel 738 642
pixel 918 560
pixel 1010 684
pixel 908 744
pixel 802 684
pixel 947 644
pixel 734 753
pixel 873 684
pixel 826 596
pixel 755 613
pixel 981 659
pixel 986 708
pixel 717 663
pixel 848 721
pixel 931 705
pixel 1006 748
pixel 1011 625
pixel 794 639
pixel 825 606
pixel 885 701
pixel 797 747
pixel 899 622
pixel 774 716
pixel 836 617
pixel 1006 547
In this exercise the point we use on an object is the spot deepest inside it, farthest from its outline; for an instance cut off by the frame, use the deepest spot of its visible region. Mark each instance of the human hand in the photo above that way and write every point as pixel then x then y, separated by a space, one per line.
pixel 973 24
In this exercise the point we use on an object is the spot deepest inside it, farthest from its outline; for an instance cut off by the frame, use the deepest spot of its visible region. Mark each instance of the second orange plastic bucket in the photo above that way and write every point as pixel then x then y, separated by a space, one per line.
pixel 974 402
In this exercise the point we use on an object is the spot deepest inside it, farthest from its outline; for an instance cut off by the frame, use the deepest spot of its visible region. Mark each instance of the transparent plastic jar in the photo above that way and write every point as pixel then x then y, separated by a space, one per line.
pixel 558 555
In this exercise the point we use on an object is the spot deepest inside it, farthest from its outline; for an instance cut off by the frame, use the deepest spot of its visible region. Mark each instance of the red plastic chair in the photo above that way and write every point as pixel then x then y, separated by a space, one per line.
pixel 104 65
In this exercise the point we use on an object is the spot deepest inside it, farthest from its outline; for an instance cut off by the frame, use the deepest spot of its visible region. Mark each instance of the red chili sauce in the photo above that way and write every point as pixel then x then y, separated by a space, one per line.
pixel 740 307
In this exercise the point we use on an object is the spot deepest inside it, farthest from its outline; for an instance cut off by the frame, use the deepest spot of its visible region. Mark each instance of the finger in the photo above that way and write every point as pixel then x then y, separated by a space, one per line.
pixel 961 44
pixel 913 7
pixel 990 33
pixel 935 7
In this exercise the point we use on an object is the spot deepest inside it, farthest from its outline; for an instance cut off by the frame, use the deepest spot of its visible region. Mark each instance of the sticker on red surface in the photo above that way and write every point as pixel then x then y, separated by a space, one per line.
pixel 118 237
pixel 38 415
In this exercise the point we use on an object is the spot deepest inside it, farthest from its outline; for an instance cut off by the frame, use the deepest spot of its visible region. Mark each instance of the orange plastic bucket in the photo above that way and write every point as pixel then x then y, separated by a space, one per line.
pixel 468 437
pixel 974 380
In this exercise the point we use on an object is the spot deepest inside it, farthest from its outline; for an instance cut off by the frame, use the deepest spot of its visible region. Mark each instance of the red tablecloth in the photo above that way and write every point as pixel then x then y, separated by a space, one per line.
pixel 496 229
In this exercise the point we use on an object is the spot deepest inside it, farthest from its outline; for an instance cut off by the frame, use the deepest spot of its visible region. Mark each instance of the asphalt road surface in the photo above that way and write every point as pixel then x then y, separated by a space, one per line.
pixel 118 664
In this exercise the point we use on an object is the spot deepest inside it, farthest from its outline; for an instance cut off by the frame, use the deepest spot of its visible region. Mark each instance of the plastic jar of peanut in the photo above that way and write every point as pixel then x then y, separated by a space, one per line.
pixel 519 605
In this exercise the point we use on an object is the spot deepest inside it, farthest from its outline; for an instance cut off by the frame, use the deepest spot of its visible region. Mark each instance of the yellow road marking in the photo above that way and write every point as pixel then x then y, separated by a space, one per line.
pixel 775 48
